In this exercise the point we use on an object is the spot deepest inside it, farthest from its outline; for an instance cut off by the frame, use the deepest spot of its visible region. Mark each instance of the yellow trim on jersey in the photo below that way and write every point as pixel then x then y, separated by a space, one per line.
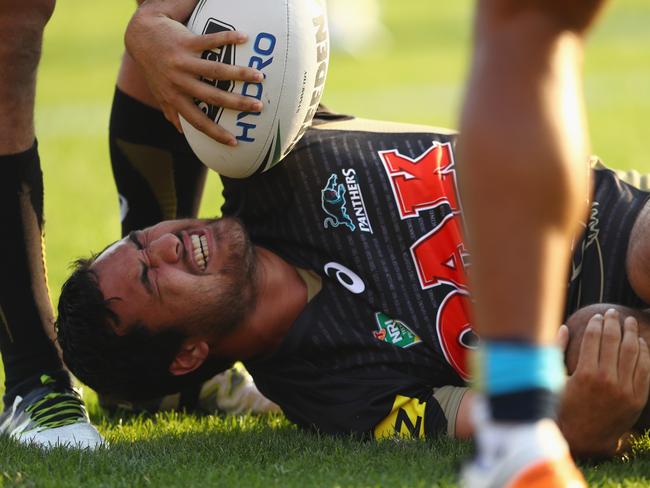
pixel 312 280
pixel 367 125
pixel 406 420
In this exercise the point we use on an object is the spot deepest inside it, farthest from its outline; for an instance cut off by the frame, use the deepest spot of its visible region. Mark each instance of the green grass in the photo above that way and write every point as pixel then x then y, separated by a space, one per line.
pixel 176 449
pixel 416 77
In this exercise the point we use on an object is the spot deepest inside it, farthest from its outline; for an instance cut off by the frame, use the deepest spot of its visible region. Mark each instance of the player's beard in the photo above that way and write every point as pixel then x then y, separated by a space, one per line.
pixel 232 292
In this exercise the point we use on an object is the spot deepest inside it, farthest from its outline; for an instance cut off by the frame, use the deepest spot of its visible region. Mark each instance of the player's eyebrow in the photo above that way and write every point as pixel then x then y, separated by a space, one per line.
pixel 144 274
pixel 133 237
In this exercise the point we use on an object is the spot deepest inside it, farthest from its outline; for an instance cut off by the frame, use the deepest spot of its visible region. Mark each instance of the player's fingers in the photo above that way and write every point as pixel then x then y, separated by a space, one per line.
pixel 629 353
pixel 590 347
pixel 219 71
pixel 202 123
pixel 610 344
pixel 218 39
pixel 214 96
pixel 562 337
pixel 642 373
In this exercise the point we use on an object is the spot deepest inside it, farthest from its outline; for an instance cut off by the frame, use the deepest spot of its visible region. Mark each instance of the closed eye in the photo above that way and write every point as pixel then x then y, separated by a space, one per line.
pixel 144 278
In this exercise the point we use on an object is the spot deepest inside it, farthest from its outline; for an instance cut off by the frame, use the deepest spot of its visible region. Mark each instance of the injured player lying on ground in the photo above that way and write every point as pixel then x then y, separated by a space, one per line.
pixel 339 279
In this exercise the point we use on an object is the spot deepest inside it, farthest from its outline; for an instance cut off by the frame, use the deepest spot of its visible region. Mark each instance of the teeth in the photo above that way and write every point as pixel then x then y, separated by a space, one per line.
pixel 200 250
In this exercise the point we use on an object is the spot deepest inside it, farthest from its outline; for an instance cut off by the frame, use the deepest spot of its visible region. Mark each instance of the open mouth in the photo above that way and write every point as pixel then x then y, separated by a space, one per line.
pixel 200 250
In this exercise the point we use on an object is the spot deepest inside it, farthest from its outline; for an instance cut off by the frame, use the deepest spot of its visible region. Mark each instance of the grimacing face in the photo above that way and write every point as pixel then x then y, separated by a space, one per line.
pixel 194 275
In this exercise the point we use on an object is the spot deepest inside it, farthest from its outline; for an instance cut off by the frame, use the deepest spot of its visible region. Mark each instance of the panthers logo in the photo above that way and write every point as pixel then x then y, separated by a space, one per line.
pixel 334 204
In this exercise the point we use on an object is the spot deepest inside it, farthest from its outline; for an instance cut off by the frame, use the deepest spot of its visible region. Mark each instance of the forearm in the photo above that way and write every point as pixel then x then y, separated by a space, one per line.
pixel 178 10
pixel 148 14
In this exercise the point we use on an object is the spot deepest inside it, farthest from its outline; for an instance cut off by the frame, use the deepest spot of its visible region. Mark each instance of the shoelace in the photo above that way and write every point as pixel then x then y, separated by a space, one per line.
pixel 56 409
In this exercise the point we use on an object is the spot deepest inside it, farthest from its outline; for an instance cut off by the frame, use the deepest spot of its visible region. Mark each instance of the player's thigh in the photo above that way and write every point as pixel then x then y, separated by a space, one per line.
pixel 21 23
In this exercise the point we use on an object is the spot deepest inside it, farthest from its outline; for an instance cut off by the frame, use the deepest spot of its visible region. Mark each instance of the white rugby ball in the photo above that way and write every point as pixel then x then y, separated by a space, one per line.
pixel 288 41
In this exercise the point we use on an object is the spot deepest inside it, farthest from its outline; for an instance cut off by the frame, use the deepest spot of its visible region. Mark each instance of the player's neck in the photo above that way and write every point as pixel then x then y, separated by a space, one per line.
pixel 281 297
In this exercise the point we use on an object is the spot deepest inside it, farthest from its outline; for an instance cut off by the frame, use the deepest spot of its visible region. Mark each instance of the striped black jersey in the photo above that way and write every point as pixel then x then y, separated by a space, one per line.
pixel 598 269
pixel 373 209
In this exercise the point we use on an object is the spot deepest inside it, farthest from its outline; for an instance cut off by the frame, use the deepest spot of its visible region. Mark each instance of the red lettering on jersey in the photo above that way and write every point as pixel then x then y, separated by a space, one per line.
pixel 421 184
pixel 424 182
pixel 438 255
pixel 452 324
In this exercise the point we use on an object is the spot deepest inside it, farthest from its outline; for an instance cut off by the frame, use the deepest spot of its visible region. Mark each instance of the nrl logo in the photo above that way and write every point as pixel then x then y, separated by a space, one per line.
pixel 394 332
pixel 223 54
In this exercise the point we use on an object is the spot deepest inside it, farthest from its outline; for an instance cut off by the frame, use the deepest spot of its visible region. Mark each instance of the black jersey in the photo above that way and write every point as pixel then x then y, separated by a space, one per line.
pixel 598 271
pixel 373 209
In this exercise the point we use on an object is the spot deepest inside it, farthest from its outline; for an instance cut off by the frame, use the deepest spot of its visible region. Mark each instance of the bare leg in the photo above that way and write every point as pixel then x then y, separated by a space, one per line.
pixel 33 369
pixel 524 184
pixel 524 171
pixel 24 302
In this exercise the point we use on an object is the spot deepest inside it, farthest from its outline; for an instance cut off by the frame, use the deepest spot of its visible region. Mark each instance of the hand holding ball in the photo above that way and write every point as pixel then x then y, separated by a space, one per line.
pixel 288 42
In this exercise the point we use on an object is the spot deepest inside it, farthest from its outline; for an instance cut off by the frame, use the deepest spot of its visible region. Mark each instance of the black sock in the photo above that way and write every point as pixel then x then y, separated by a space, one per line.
pixel 25 310
pixel 524 406
pixel 158 177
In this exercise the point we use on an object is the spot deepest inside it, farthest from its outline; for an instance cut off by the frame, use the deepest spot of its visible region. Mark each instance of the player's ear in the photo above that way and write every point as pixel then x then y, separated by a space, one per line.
pixel 190 357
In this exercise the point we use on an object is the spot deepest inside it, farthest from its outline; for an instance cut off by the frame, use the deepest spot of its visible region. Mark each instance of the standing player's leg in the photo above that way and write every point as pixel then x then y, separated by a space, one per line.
pixel 40 405
pixel 524 163
pixel 157 175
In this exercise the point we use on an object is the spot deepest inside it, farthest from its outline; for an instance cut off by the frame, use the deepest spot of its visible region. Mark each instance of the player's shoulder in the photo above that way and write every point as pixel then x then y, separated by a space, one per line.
pixel 640 181
pixel 623 196
pixel 326 120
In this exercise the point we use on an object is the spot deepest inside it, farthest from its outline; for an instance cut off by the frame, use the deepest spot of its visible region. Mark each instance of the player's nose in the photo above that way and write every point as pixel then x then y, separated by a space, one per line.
pixel 166 248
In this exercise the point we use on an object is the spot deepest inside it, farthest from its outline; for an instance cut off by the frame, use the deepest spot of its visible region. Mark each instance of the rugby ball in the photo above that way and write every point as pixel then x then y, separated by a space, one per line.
pixel 288 41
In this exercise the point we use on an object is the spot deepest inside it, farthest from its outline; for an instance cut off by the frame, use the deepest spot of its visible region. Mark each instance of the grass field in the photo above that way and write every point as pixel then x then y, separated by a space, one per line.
pixel 415 77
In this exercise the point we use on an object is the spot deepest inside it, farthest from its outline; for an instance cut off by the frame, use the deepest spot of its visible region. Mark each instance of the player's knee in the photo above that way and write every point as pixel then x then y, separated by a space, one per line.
pixel 22 23
pixel 30 14
pixel 44 8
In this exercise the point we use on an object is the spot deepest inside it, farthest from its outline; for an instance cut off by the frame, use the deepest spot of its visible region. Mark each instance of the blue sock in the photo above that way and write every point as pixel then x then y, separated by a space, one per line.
pixel 521 381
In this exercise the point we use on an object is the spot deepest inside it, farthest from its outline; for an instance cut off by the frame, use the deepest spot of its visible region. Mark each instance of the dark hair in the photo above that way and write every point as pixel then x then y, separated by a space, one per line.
pixel 133 366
